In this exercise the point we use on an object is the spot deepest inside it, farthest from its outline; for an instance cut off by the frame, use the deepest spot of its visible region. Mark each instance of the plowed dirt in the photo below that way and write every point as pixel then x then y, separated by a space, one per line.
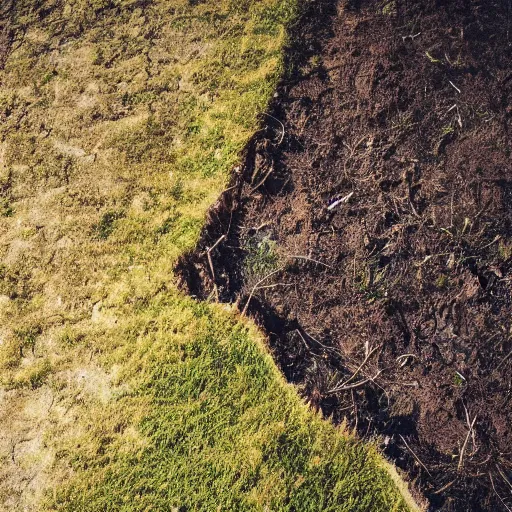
pixel 369 233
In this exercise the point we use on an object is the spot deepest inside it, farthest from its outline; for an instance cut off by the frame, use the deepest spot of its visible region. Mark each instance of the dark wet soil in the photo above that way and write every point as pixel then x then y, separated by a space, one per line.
pixel 369 233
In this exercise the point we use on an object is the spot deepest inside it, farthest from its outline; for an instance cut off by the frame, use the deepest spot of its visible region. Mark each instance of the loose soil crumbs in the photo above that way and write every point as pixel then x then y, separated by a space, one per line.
pixel 369 233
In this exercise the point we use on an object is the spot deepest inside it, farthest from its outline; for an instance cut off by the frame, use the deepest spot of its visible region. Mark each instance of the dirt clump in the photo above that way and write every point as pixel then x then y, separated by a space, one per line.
pixel 369 233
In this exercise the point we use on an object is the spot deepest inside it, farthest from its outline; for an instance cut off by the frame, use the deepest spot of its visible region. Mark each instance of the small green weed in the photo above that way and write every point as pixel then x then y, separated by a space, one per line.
pixel 447 130
pixel 261 258
pixel 27 336
pixel 32 376
pixel 442 281
pixel 432 59
pixel 105 227
pixel 389 9
pixel 505 250
pixel 458 379
pixel 6 208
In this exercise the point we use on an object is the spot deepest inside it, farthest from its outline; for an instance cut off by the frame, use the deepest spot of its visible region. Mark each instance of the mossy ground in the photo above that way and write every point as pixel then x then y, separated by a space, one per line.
pixel 120 122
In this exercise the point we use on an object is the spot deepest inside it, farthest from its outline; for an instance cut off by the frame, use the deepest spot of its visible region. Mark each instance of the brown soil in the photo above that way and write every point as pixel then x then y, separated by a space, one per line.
pixel 370 235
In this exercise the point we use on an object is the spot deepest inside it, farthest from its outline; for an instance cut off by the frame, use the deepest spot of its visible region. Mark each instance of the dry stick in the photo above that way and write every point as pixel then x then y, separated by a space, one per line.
pixel 310 259
pixel 406 356
pixel 223 237
pixel 282 128
pixel 215 288
pixel 459 118
pixel 208 254
pixel 472 430
pixel 415 456
pixel 500 471
pixel 306 344
pixel 504 359
pixel 319 343
pixel 256 287
pixel 451 108
pixel 256 187
pixel 355 385
pixel 416 214
pixel 354 375
pixel 261 226
pixel 447 486
pixel 465 444
pixel 274 285
pixel 411 36
pixel 496 492
pixel 275 272
pixel 497 238
pixel 339 201
pixel 454 86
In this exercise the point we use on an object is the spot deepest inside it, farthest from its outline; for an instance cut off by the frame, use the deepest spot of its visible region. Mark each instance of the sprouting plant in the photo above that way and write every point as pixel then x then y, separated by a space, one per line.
pixel 6 209
pixel 447 130
pixel 432 59
pixel 389 8
pixel 459 379
pixel 262 257
pixel 104 228
pixel 442 281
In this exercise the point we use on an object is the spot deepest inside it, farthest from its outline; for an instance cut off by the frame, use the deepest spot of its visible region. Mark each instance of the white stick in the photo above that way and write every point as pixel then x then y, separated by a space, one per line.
pixel 339 201
pixel 455 87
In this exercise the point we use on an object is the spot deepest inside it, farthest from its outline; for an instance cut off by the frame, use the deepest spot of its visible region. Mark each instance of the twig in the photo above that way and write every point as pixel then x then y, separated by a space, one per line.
pixel 274 285
pixel 209 255
pixel 310 259
pixel 306 343
pixel 465 444
pixel 222 238
pixel 416 214
pixel 339 201
pixel 261 226
pixel 461 376
pixel 447 486
pixel 406 356
pixel 455 87
pixel 282 127
pixel 459 118
pixel 359 368
pixel 500 471
pixel 355 385
pixel 471 429
pixel 496 492
pixel 504 359
pixel 497 238
pixel 415 456
pixel 256 287
pixel 411 37
pixel 413 384
pixel 258 185
pixel 320 343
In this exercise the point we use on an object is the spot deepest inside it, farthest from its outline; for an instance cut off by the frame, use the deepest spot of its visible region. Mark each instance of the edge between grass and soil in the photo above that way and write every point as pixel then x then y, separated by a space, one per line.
pixel 121 120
